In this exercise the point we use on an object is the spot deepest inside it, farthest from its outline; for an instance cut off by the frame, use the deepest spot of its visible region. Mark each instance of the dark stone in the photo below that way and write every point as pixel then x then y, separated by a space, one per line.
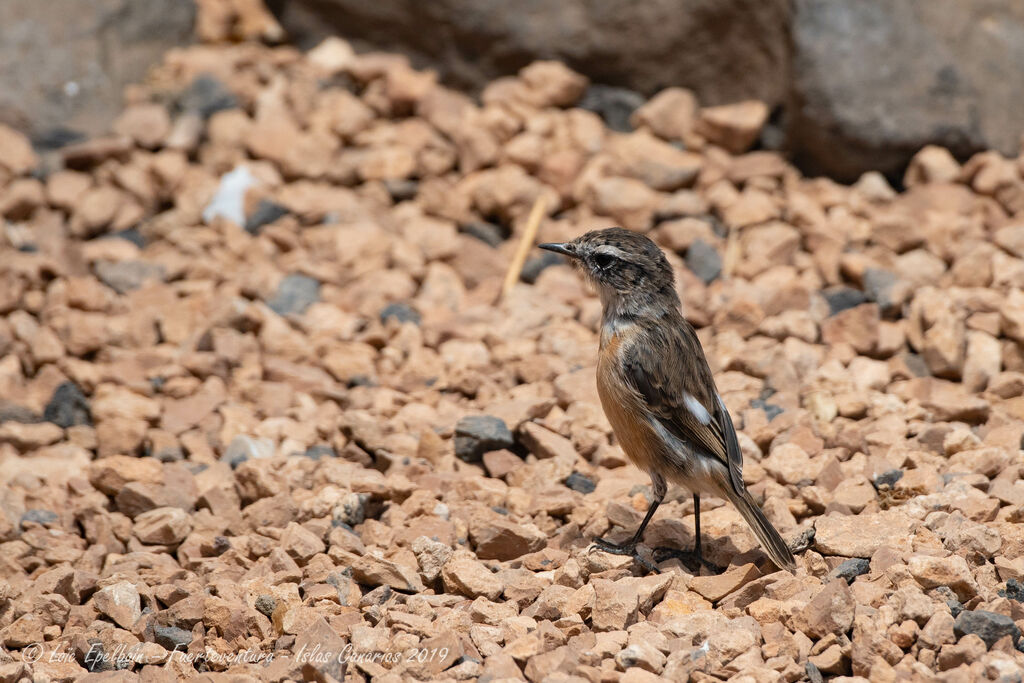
pixel 770 409
pixel 221 544
pixel 888 479
pixel 127 276
pixel 488 233
pixel 580 482
pixel 294 294
pixel 851 569
pixel 41 517
pixel 266 212
pixel 703 261
pixel 500 510
pixel 206 96
pixel 401 189
pixel 813 673
pixel 841 298
pixel 477 434
pixel 93 657
pixel 265 605
pixel 320 450
pixel 1014 590
pixel 878 284
pixel 402 312
pixel 169 454
pixel 614 105
pixel 802 542
pixel 56 137
pixel 874 81
pixel 989 626
pixel 68 407
pixel 130 235
pixel 955 607
pixel 534 266
pixel 172 638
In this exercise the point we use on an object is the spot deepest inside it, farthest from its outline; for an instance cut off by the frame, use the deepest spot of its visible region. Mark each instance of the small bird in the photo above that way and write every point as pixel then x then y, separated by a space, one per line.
pixel 656 387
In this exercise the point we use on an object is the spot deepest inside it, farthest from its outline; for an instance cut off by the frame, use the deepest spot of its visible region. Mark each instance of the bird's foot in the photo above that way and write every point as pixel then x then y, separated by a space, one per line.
pixel 687 557
pixel 628 548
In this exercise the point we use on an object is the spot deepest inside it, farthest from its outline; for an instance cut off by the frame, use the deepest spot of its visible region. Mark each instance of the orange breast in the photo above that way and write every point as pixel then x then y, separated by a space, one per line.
pixel 623 406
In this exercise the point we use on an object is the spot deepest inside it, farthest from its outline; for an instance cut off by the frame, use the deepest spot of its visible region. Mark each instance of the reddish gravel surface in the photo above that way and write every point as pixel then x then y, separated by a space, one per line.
pixel 262 418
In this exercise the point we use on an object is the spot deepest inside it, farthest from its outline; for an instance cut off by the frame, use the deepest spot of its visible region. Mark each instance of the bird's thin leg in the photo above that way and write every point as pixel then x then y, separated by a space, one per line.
pixel 696 528
pixel 629 547
pixel 695 555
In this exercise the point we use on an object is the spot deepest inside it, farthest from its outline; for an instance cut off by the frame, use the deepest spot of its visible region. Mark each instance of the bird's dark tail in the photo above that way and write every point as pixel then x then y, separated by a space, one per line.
pixel 770 539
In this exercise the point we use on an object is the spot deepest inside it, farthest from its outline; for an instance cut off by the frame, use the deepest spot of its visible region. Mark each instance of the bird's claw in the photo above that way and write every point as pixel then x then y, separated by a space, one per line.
pixel 687 557
pixel 628 548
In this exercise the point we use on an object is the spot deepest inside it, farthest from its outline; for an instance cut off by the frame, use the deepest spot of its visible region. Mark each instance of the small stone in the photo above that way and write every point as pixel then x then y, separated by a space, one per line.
pixel 614 105
pixel 717 586
pixel 477 434
pixel 671 114
pixel 127 276
pixel 36 516
pixel 862 535
pixel 502 539
pixel 172 638
pixel 402 312
pixel 68 407
pixel 295 294
pixel 318 451
pixel 887 479
pixel 851 569
pixel 500 463
pixel 121 602
pixel 952 571
pixel 300 543
pixel 544 443
pixel 163 526
pixel 377 571
pixel 244 448
pixel 16 154
pixel 206 96
pixel 470 578
pixel 432 556
pixel 30 436
pixel 989 626
pixel 146 124
pixel 842 298
pixel 734 127
pixel 703 261
pixel 829 611
pixel 580 482
pixel 266 212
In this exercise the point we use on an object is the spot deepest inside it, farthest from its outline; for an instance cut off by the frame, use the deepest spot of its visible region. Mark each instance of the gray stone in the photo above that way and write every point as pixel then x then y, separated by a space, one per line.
pixel 266 212
pixel 842 298
pixel 265 605
pixel 402 312
pixel 172 638
pixel 42 517
pixel 989 626
pixel 614 105
pixel 294 294
pixel 477 434
pixel 851 569
pixel 126 276
pixel 878 284
pixel 320 450
pixel 68 407
pixel 580 482
pixel 536 265
pixel 875 80
pixel 488 233
pixel 703 261
pixel 206 96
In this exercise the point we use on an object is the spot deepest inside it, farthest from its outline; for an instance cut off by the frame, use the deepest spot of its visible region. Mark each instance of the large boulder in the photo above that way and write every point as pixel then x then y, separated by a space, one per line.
pixel 876 80
pixel 723 50
pixel 65 62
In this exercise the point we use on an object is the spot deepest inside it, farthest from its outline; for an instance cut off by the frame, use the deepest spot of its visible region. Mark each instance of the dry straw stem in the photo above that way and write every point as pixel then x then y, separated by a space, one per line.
pixel 515 268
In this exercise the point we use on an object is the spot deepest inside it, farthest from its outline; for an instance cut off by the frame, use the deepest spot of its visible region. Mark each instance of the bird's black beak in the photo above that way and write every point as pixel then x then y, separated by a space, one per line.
pixel 566 248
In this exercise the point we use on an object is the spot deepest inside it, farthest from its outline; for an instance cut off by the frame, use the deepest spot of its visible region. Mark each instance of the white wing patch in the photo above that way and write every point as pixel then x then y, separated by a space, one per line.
pixel 697 409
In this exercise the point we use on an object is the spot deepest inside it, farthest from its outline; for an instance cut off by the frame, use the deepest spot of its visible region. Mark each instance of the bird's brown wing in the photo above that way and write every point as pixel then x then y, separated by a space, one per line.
pixel 665 366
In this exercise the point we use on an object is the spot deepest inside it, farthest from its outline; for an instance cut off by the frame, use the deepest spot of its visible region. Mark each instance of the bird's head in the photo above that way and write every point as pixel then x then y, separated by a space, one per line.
pixel 629 271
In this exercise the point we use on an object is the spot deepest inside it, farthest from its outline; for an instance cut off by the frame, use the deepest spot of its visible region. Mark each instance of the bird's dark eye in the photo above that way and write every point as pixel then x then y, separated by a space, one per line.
pixel 603 260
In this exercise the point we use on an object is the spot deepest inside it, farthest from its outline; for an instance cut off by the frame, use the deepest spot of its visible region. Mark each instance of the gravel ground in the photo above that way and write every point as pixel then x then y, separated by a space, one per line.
pixel 265 416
